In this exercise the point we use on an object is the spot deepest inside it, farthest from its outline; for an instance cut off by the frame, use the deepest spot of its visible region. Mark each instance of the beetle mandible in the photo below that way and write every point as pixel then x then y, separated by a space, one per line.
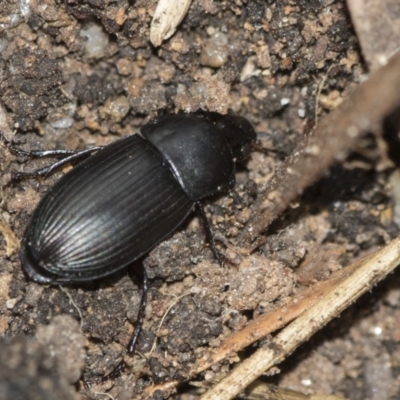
pixel 116 205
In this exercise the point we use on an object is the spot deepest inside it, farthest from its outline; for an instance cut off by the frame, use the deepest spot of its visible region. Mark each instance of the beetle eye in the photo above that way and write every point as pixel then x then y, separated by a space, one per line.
pixel 245 150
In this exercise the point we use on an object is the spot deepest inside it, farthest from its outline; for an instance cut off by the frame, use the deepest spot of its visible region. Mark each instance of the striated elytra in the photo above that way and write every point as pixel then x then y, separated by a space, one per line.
pixel 115 206
pixel 118 204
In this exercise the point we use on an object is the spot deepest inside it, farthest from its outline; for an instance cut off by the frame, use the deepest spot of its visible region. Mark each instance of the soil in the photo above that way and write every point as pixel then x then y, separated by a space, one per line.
pixel 78 74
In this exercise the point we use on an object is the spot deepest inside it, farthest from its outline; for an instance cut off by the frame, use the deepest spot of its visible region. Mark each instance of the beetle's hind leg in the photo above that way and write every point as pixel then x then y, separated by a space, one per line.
pixel 141 314
pixel 66 157
pixel 136 333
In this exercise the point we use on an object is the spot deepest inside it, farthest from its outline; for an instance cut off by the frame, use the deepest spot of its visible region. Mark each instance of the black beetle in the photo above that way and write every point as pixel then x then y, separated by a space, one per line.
pixel 115 206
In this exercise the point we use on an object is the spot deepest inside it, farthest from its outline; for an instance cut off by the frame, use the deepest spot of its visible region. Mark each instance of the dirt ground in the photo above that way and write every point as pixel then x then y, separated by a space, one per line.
pixel 78 74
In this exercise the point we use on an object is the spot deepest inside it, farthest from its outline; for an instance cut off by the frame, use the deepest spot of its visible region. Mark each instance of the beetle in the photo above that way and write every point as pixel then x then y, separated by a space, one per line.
pixel 116 205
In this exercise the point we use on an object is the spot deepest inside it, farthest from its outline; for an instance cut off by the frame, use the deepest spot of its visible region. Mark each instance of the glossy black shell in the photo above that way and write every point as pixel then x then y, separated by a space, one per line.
pixel 119 203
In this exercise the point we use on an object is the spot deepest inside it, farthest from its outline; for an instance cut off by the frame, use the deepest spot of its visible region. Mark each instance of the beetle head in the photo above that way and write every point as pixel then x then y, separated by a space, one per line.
pixel 238 132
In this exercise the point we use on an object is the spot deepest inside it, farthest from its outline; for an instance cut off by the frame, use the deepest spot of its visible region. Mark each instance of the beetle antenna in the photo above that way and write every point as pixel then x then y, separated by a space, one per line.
pixel 257 146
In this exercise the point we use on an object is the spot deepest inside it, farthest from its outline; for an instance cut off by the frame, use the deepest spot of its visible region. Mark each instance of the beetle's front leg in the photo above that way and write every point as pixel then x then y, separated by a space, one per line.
pixel 210 237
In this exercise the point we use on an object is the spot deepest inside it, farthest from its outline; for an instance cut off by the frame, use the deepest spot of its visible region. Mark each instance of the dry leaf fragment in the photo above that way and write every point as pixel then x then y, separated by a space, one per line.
pixel 168 15
pixel 12 243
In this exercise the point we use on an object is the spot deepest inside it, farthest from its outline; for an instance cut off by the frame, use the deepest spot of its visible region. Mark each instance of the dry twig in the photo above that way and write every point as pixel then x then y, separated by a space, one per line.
pixel 367 272
pixel 334 138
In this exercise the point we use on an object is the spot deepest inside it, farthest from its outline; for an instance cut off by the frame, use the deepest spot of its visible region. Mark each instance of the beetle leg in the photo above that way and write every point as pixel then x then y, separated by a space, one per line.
pixel 138 329
pixel 221 258
pixel 40 153
pixel 68 158
pixel 141 315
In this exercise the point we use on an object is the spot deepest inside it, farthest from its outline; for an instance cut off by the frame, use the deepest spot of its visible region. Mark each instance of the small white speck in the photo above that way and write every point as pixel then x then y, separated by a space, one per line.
pixel 377 330
pixel 306 382
pixel 96 40
pixel 285 101
pixel 25 8
pixel 352 131
pixel 10 303
pixel 382 59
